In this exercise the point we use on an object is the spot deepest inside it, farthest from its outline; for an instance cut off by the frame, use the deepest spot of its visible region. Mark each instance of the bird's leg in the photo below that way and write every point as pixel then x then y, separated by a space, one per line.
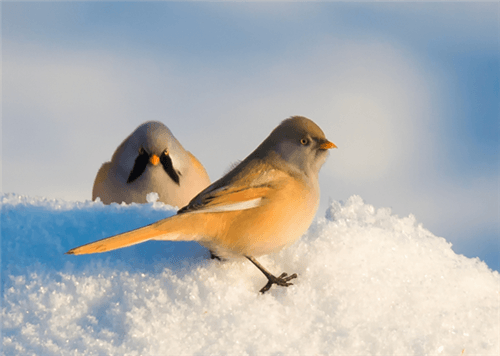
pixel 213 256
pixel 282 280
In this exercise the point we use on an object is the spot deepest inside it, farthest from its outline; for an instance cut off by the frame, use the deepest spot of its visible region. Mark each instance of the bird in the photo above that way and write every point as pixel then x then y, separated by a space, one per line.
pixel 149 160
pixel 262 205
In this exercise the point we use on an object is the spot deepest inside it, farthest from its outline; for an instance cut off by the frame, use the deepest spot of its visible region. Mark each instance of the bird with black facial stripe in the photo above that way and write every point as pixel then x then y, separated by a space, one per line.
pixel 151 159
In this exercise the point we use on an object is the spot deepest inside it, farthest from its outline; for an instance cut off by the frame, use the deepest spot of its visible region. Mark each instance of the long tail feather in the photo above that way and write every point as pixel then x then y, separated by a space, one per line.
pixel 129 238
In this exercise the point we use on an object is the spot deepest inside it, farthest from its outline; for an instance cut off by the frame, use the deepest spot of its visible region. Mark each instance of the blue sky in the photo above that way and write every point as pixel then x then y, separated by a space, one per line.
pixel 409 92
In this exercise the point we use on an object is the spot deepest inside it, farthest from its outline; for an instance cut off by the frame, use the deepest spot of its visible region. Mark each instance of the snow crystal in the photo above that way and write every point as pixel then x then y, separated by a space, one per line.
pixel 152 197
pixel 369 282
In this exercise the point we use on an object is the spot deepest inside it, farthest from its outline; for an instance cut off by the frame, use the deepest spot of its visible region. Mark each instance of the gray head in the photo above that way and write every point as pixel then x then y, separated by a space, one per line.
pixel 300 143
pixel 152 143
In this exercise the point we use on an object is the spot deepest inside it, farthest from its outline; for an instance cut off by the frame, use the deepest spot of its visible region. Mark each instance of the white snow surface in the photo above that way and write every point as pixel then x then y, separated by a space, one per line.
pixel 369 283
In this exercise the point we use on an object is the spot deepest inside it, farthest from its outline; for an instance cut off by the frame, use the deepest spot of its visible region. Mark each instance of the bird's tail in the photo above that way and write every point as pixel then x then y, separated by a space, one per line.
pixel 161 230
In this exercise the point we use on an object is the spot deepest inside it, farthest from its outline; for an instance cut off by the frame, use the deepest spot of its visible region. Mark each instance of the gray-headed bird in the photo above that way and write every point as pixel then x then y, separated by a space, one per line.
pixel 150 160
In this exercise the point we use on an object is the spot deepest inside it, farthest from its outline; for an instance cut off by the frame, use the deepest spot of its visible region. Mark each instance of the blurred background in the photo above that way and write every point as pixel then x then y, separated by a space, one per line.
pixel 409 92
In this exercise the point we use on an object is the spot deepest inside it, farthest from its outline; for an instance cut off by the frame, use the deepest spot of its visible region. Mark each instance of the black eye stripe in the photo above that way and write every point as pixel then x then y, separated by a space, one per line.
pixel 140 165
pixel 166 162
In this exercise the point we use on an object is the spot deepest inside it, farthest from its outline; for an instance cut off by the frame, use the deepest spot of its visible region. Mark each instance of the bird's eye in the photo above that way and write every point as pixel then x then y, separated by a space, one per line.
pixel 304 141
pixel 141 150
pixel 165 152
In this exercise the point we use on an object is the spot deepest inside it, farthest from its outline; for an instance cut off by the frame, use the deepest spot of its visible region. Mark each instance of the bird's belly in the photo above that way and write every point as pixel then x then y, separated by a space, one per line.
pixel 279 222
pixel 154 179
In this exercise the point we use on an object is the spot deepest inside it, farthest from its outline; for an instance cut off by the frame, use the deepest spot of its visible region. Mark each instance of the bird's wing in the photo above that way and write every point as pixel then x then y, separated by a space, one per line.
pixel 229 200
pixel 100 178
pixel 197 165
pixel 236 194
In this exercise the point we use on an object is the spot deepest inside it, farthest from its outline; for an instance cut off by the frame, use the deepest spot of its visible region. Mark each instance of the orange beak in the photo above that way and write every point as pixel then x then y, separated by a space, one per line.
pixel 327 145
pixel 154 160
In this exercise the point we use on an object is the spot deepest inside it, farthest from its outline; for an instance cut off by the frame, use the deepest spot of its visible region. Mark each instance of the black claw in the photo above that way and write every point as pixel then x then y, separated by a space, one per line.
pixel 266 287
pixel 282 280
pixel 213 256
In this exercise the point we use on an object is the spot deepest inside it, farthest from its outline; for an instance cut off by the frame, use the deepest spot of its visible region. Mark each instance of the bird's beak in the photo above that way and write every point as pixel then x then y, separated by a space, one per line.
pixel 327 145
pixel 154 160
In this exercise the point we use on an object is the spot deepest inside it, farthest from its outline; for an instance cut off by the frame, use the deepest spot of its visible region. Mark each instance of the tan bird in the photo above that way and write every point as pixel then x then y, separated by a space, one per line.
pixel 262 205
pixel 150 160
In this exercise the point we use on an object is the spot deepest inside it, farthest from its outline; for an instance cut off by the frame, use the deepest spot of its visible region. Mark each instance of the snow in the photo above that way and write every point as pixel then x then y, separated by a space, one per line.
pixel 369 282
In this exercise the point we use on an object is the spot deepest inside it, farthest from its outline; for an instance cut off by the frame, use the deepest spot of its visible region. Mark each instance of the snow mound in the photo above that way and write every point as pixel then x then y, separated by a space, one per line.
pixel 369 283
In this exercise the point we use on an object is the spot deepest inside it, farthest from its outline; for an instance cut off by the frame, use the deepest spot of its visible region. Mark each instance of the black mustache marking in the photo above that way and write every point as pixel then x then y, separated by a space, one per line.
pixel 140 165
pixel 166 162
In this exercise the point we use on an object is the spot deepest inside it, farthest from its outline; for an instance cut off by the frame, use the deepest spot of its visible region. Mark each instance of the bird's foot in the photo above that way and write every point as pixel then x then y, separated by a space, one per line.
pixel 282 280
pixel 214 256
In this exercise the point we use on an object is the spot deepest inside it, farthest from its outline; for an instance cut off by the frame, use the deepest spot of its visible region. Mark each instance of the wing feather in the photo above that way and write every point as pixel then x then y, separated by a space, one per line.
pixel 222 195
